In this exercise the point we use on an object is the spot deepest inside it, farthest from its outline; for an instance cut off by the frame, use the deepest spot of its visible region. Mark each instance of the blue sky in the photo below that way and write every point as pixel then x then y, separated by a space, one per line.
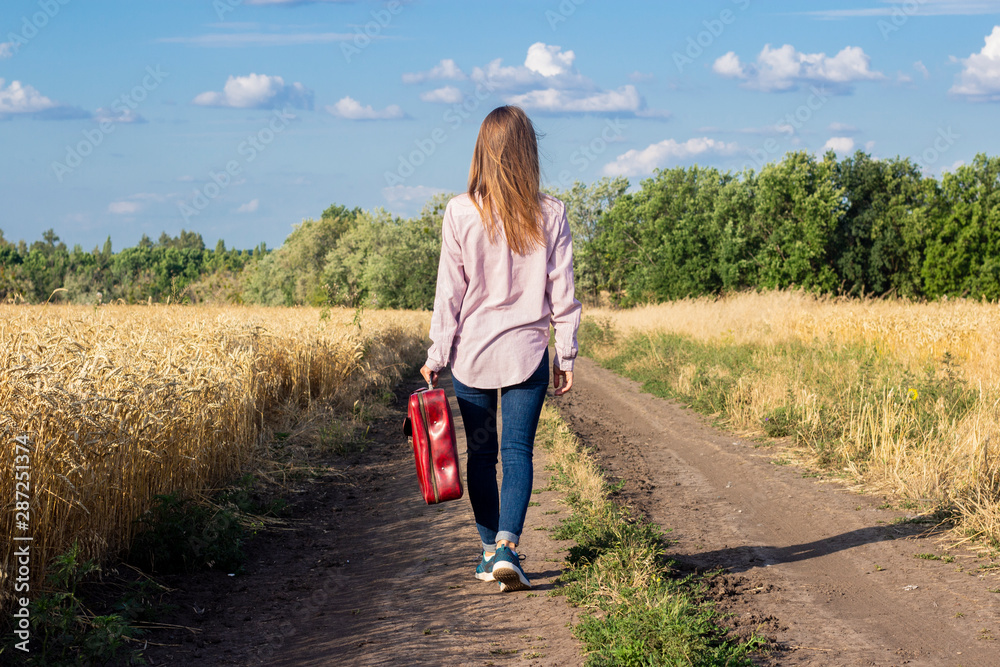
pixel 238 119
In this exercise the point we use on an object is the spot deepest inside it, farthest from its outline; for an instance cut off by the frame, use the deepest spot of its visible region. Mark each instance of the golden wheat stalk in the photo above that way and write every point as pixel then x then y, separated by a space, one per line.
pixel 120 403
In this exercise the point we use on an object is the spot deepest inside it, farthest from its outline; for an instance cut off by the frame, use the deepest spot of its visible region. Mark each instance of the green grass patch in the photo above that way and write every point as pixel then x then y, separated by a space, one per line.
pixel 639 612
pixel 65 633
pixel 708 376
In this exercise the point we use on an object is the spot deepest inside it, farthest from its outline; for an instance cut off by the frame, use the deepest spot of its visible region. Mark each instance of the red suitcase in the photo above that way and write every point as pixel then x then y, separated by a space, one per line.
pixel 429 423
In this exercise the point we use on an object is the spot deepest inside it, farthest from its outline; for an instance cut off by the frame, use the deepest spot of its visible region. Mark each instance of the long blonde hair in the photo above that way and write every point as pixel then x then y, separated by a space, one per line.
pixel 504 179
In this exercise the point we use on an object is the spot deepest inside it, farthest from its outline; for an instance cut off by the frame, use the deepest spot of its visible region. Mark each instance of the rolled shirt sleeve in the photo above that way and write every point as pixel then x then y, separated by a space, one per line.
pixel 452 283
pixel 566 309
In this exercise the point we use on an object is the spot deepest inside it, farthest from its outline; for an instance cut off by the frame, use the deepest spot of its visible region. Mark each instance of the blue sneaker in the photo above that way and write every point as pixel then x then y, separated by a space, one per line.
pixel 484 571
pixel 507 570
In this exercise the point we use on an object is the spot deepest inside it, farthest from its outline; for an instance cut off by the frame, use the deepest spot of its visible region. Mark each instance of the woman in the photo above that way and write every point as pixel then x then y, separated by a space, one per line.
pixel 505 274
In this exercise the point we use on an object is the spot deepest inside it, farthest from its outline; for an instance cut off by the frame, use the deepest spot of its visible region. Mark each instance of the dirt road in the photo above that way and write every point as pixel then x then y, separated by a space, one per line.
pixel 367 574
pixel 818 567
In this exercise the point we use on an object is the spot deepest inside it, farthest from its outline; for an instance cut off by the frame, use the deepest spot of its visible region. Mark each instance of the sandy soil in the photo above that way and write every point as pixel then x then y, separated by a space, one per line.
pixel 367 574
pixel 817 568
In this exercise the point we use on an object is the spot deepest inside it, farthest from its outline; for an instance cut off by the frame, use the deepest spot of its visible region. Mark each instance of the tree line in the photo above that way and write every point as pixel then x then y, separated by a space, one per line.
pixel 861 226
pixel 48 271
pixel 858 226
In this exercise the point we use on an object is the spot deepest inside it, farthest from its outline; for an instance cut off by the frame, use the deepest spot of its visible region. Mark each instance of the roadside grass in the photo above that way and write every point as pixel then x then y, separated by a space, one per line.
pixel 638 611
pixel 921 431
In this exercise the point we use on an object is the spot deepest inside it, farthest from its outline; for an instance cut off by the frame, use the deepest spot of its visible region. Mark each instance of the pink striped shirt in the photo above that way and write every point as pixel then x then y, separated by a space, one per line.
pixel 493 307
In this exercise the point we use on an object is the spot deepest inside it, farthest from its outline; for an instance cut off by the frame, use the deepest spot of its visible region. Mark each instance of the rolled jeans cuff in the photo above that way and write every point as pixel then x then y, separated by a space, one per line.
pixel 509 536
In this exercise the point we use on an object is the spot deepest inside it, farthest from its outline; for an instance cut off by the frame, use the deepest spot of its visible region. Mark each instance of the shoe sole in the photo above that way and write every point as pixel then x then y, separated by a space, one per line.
pixel 484 576
pixel 510 579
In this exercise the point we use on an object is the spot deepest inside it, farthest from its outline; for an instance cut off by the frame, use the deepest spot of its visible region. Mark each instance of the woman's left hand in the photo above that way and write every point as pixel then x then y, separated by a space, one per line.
pixel 430 377
pixel 562 381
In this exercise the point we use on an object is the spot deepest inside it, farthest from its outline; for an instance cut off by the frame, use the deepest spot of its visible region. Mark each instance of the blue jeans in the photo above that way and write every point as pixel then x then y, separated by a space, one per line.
pixel 500 515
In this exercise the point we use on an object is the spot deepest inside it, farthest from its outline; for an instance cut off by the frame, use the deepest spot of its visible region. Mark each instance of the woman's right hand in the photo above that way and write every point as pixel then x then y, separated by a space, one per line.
pixel 562 381
pixel 430 377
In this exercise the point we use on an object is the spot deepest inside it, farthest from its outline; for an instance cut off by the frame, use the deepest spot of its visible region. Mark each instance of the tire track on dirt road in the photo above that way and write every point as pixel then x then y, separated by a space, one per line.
pixel 816 565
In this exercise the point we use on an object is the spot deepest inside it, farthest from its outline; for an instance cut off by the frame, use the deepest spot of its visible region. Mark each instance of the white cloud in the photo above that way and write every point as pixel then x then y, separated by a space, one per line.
pixel 840 145
pixel 258 91
pixel 729 66
pixel 920 67
pixel 775 130
pixel 351 109
pixel 409 194
pixel 124 207
pixel 446 95
pixel 544 66
pixel 153 196
pixel 548 81
pixel 785 68
pixel 135 203
pixel 954 167
pixel 18 98
pixel 843 128
pixel 250 207
pixel 244 39
pixel 640 163
pixel 6 49
pixel 118 116
pixel 446 69
pixel 549 60
pixel 923 8
pixel 625 99
pixel 979 79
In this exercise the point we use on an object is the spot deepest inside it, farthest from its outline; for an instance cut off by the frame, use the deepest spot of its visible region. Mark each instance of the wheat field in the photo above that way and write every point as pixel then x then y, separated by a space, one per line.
pixel 952 461
pixel 120 403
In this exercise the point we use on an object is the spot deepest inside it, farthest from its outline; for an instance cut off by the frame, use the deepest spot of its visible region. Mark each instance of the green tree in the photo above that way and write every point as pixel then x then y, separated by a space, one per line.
pixel 586 206
pixel 662 242
pixel 963 248
pixel 797 204
pixel 292 274
pixel 734 257
pixel 879 238
pixel 388 262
